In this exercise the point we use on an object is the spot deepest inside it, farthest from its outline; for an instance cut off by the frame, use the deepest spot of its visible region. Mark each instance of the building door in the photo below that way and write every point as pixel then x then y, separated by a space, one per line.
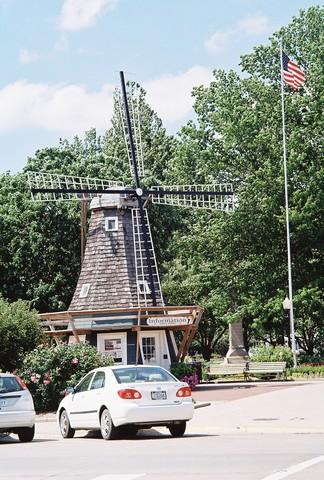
pixel 113 344
pixel 154 348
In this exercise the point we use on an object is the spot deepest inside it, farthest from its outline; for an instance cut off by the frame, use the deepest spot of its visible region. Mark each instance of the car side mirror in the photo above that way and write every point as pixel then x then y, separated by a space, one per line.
pixel 69 390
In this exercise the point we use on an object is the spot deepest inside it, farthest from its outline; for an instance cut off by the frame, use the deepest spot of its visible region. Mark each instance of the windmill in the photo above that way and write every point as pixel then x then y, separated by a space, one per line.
pixel 119 274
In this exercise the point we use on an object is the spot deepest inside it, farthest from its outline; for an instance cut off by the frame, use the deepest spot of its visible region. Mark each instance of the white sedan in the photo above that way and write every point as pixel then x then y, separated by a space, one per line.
pixel 17 413
pixel 125 399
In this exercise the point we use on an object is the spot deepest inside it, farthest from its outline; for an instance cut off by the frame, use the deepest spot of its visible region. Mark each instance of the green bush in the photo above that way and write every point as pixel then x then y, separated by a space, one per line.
pixel 307 371
pixel 181 370
pixel 314 360
pixel 49 369
pixel 267 353
pixel 20 332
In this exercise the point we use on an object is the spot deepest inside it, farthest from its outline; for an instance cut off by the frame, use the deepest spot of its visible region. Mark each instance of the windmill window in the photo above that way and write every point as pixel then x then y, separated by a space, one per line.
pixel 84 290
pixel 111 224
pixel 143 287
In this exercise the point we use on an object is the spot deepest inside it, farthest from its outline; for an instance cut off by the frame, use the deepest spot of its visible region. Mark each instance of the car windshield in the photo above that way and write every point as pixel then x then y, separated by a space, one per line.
pixel 9 384
pixel 142 374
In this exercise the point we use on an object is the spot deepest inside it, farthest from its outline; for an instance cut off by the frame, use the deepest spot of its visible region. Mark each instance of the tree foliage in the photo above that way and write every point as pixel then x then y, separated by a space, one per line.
pixel 238 137
pixel 20 332
pixel 234 265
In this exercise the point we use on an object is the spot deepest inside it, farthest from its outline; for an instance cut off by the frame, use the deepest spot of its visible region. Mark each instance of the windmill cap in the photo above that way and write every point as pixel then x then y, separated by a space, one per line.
pixel 112 200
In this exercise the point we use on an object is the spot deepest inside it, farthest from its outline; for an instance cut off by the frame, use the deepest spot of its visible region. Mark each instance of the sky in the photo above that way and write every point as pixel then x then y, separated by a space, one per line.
pixel 60 60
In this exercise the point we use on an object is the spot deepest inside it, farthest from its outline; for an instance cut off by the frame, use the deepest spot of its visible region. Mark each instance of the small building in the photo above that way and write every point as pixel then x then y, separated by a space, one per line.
pixel 112 306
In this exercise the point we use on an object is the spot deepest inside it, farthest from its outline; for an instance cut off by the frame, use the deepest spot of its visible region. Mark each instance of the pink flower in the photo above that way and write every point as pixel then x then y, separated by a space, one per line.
pixel 74 361
pixel 46 382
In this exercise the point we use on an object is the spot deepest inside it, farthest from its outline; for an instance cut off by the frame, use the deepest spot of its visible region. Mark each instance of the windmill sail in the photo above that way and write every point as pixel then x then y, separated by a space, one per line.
pixel 53 186
pixel 133 99
pixel 216 197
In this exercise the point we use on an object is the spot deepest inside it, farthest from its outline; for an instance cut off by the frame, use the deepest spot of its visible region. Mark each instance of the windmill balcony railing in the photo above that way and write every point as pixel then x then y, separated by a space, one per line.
pixel 80 322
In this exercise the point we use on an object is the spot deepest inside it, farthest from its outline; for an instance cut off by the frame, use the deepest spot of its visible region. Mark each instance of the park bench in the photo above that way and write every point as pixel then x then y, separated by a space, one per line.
pixel 217 370
pixel 265 369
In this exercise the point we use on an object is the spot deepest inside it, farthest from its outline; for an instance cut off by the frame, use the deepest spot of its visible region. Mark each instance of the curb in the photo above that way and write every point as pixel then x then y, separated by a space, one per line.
pixel 258 431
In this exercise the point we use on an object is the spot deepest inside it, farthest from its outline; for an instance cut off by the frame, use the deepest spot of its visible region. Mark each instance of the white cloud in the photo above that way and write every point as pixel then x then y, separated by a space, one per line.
pixel 63 108
pixel 72 109
pixel 170 95
pixel 257 24
pixel 78 14
pixel 217 43
pixel 26 56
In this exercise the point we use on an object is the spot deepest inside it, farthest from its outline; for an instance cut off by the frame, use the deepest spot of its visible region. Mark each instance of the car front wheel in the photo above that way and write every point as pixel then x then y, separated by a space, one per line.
pixel 107 428
pixel 177 429
pixel 26 434
pixel 65 427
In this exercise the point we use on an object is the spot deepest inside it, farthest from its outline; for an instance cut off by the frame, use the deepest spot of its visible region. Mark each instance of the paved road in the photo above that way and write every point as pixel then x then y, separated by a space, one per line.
pixel 203 457
pixel 268 436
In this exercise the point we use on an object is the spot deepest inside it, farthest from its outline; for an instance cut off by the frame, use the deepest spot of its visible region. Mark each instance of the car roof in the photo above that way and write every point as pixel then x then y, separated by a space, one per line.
pixel 115 367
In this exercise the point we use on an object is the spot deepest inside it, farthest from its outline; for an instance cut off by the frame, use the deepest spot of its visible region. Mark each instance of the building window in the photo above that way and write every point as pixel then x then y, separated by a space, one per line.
pixel 84 290
pixel 111 224
pixel 149 348
pixel 143 287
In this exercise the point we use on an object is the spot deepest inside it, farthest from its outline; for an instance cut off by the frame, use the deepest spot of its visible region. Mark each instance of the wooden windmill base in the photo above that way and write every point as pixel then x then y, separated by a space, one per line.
pixel 62 325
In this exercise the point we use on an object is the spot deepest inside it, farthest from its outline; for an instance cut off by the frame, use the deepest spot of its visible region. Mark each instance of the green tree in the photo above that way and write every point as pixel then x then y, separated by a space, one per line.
pixel 39 252
pixel 238 137
pixel 20 332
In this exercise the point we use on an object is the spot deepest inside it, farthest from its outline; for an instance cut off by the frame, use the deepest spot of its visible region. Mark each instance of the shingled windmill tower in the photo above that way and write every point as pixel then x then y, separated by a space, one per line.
pixel 118 303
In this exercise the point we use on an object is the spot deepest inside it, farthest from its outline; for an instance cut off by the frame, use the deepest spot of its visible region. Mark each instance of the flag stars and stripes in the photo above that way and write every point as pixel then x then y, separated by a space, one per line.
pixel 292 74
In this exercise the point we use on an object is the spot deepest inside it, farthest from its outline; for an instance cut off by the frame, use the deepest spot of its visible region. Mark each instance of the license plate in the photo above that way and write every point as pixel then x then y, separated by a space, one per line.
pixel 3 403
pixel 158 395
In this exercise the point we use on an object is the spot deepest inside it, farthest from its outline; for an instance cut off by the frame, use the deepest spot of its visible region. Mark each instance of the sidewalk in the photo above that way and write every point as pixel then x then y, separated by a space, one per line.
pixel 298 408
pixel 269 407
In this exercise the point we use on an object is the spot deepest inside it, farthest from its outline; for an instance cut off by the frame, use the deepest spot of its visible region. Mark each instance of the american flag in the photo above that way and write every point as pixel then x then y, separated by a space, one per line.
pixel 293 75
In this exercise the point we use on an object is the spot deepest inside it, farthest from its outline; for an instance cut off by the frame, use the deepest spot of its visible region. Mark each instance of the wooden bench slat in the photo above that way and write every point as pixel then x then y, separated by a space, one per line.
pixel 247 368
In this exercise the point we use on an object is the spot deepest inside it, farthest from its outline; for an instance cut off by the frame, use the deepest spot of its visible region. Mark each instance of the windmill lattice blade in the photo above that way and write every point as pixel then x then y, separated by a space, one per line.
pixel 133 97
pixel 215 197
pixel 141 261
pixel 61 183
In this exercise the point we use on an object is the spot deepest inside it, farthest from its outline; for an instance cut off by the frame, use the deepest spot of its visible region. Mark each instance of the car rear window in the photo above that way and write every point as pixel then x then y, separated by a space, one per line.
pixel 9 384
pixel 142 374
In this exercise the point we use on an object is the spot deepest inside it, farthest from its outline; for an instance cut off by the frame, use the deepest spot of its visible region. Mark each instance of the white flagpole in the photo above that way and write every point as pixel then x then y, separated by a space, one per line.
pixel 291 308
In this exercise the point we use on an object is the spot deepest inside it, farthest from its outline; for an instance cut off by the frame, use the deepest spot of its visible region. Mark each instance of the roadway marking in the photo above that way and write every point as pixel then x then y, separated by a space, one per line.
pixel 117 476
pixel 294 469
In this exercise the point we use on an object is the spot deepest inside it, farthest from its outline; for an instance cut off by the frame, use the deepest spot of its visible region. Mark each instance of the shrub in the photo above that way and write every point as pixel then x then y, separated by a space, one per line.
pixel 185 373
pixel 49 369
pixel 307 371
pixel 20 332
pixel 279 353
pixel 312 360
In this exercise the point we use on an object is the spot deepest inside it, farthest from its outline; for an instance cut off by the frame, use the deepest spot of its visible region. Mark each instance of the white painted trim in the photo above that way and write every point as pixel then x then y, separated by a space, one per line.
pixel 174 343
pixel 294 469
pixel 84 290
pixel 145 285
pixel 161 346
pixel 108 336
pixel 106 224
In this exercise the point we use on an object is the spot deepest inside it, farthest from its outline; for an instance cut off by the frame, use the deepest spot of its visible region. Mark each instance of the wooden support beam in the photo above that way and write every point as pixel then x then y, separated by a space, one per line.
pixel 76 336
pixel 182 344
